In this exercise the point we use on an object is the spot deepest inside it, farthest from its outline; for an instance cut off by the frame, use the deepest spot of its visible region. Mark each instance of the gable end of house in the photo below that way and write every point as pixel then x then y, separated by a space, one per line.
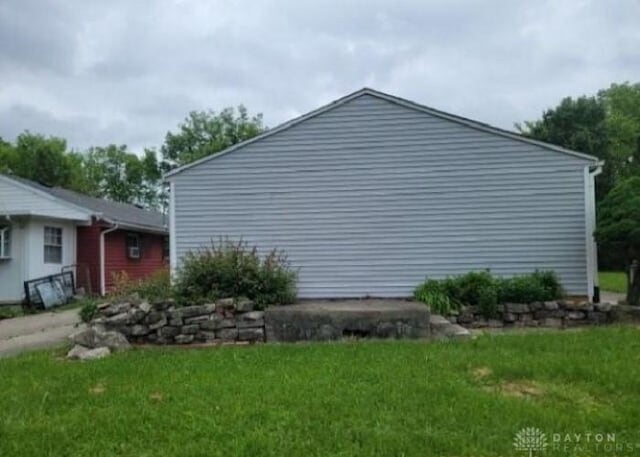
pixel 397 101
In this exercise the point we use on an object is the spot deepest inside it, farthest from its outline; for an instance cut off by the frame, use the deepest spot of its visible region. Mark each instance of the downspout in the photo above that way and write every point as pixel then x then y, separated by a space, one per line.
pixel 173 259
pixel 592 247
pixel 103 284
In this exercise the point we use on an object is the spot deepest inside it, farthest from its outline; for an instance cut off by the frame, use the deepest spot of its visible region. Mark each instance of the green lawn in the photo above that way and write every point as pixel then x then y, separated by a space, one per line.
pixel 360 398
pixel 613 281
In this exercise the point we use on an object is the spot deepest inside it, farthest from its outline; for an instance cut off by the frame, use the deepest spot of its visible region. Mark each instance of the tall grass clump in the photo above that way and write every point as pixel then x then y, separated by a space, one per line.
pixel 485 291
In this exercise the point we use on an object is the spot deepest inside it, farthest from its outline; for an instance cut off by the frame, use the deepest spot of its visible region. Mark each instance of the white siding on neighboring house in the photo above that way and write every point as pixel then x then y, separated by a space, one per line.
pixel 370 197
pixel 28 211
pixel 27 254
pixel 35 247
pixel 12 269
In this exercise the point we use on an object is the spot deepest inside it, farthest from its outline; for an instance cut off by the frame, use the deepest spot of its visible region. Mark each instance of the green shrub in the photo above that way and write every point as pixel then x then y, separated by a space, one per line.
pixel 520 289
pixel 482 289
pixel 487 299
pixel 155 286
pixel 88 310
pixel 229 269
pixel 550 283
pixel 475 288
pixel 434 294
pixel 537 286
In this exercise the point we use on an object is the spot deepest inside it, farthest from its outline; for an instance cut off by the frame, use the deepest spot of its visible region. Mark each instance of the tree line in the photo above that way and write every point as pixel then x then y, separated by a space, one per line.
pixel 114 172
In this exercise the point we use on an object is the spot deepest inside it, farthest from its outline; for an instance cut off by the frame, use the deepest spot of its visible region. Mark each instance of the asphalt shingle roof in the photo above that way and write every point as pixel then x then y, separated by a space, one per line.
pixel 121 213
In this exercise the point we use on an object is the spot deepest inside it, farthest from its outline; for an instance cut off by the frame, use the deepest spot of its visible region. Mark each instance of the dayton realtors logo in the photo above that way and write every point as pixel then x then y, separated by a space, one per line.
pixel 530 439
pixel 533 441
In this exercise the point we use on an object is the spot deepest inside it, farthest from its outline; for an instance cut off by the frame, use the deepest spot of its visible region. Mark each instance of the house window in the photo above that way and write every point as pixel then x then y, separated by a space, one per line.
pixel 5 242
pixel 52 245
pixel 133 246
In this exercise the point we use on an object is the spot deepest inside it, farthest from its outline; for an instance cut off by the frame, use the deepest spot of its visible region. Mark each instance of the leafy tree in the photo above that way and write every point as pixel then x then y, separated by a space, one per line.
pixel 79 180
pixel 43 159
pixel 206 132
pixel 7 156
pixel 619 228
pixel 110 172
pixel 578 124
pixel 622 104
pixel 122 176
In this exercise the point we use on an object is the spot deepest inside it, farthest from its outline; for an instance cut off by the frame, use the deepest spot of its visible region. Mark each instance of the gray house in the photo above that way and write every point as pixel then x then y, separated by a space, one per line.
pixel 371 193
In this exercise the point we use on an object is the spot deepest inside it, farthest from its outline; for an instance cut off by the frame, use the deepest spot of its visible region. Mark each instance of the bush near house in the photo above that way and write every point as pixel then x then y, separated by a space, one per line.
pixel 482 289
pixel 226 269
pixel 155 286
pixel 234 269
pixel 88 309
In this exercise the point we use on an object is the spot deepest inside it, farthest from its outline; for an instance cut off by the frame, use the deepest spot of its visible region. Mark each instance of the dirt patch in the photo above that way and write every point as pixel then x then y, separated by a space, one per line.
pixel 156 396
pixel 98 389
pixel 481 372
pixel 521 389
pixel 517 389
pixel 572 396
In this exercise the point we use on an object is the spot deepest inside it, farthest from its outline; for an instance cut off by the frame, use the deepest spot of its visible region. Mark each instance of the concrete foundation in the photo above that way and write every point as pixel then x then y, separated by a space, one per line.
pixel 333 320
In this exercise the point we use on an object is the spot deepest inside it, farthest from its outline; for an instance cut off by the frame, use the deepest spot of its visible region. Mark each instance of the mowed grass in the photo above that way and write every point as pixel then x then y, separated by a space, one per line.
pixel 344 399
pixel 613 281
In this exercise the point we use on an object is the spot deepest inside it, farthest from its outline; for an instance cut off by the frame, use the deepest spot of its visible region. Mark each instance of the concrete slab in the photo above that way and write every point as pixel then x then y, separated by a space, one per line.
pixel 321 320
pixel 37 331
pixel 442 329
pixel 612 297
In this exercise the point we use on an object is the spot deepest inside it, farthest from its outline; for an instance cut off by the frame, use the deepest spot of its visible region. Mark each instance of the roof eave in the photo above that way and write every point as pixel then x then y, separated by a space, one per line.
pixel 163 230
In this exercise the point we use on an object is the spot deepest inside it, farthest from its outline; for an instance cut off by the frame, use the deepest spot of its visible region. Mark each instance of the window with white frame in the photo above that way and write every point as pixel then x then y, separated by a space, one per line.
pixel 5 242
pixel 52 245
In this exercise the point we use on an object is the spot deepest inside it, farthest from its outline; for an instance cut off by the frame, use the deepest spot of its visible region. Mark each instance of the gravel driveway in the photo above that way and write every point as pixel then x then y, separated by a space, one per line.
pixel 37 331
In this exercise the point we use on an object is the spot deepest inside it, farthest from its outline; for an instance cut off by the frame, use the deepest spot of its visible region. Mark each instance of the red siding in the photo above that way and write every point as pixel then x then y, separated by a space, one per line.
pixel 150 261
pixel 88 249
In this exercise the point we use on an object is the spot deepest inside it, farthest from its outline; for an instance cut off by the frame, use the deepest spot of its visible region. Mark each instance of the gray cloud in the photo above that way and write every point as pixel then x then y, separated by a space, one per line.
pixel 128 71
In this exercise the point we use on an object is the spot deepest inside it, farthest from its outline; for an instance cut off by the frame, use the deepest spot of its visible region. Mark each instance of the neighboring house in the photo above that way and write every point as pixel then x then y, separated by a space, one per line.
pixel 44 230
pixel 371 193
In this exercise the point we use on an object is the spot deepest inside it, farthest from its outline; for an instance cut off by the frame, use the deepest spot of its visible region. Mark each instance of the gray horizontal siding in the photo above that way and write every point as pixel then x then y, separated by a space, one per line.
pixel 370 197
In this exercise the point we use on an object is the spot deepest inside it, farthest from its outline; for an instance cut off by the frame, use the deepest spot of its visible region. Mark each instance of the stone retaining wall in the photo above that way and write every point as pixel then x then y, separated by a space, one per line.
pixel 162 322
pixel 554 314
pixel 229 320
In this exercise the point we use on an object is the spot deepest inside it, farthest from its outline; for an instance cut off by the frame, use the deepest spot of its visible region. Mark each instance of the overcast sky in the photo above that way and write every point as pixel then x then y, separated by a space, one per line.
pixel 126 71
